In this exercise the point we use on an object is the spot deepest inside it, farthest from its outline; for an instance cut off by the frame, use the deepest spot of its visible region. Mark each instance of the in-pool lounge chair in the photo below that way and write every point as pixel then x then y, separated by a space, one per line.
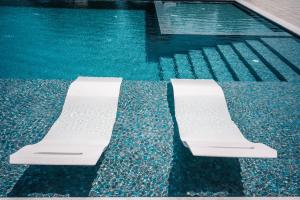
pixel 83 129
pixel 205 125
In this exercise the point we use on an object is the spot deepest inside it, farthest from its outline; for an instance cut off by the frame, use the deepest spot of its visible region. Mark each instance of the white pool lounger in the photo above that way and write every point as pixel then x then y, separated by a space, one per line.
pixel 205 125
pixel 83 129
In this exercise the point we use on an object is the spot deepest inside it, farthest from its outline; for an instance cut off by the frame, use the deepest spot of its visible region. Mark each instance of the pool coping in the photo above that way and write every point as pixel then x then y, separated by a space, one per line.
pixel 291 27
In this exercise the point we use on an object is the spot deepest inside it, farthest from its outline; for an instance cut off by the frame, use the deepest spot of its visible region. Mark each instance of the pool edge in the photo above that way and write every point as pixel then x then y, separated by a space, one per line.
pixel 291 27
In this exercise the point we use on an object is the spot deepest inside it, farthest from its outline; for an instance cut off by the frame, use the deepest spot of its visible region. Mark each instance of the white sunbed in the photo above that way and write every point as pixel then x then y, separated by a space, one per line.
pixel 205 125
pixel 83 129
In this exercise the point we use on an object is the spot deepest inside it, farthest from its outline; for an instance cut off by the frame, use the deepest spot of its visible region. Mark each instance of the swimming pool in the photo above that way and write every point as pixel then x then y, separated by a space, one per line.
pixel 46 45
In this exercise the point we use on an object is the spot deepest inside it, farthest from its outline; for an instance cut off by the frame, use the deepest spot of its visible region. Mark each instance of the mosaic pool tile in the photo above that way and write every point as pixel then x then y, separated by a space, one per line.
pixel 146 156
pixel 289 48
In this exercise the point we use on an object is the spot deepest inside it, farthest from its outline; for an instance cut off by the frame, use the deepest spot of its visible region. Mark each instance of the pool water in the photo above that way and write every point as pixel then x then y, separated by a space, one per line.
pixel 46 44
pixel 212 19
pixel 61 43
pixel 129 41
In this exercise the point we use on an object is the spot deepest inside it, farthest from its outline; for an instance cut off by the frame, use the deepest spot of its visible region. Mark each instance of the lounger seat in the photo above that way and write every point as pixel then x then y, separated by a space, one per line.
pixel 205 125
pixel 83 129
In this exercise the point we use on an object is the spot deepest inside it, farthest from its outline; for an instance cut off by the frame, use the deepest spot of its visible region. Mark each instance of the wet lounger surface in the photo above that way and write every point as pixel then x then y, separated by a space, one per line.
pixel 83 130
pixel 205 125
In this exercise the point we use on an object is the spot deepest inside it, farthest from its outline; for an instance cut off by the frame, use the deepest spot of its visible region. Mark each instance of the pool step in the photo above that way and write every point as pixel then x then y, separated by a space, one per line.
pixel 249 60
pixel 288 49
pixel 281 67
pixel 167 68
pixel 243 73
pixel 217 64
pixel 201 68
pixel 184 68
pixel 253 62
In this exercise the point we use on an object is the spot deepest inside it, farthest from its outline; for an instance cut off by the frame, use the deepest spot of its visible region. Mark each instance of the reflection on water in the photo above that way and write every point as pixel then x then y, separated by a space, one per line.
pixel 120 4
pixel 210 19
pixel 65 43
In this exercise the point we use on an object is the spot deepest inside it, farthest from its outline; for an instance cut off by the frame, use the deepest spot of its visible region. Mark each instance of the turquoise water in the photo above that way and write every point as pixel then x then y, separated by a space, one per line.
pixel 212 19
pixel 60 43
pixel 128 40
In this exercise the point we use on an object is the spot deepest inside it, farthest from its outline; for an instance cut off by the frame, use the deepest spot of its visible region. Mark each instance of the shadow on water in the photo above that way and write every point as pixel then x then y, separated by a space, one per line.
pixel 201 176
pixel 74 181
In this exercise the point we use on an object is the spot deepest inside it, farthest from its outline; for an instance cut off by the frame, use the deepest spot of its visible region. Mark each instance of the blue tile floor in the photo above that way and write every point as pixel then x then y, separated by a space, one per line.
pixel 145 156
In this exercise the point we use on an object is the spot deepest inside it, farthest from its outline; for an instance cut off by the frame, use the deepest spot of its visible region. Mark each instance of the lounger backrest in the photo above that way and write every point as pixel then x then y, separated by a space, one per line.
pixel 89 86
pixel 200 96
pixel 184 87
pixel 92 103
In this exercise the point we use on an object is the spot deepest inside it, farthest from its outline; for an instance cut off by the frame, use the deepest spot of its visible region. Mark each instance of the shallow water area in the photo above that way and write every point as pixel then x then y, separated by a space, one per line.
pixel 146 156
